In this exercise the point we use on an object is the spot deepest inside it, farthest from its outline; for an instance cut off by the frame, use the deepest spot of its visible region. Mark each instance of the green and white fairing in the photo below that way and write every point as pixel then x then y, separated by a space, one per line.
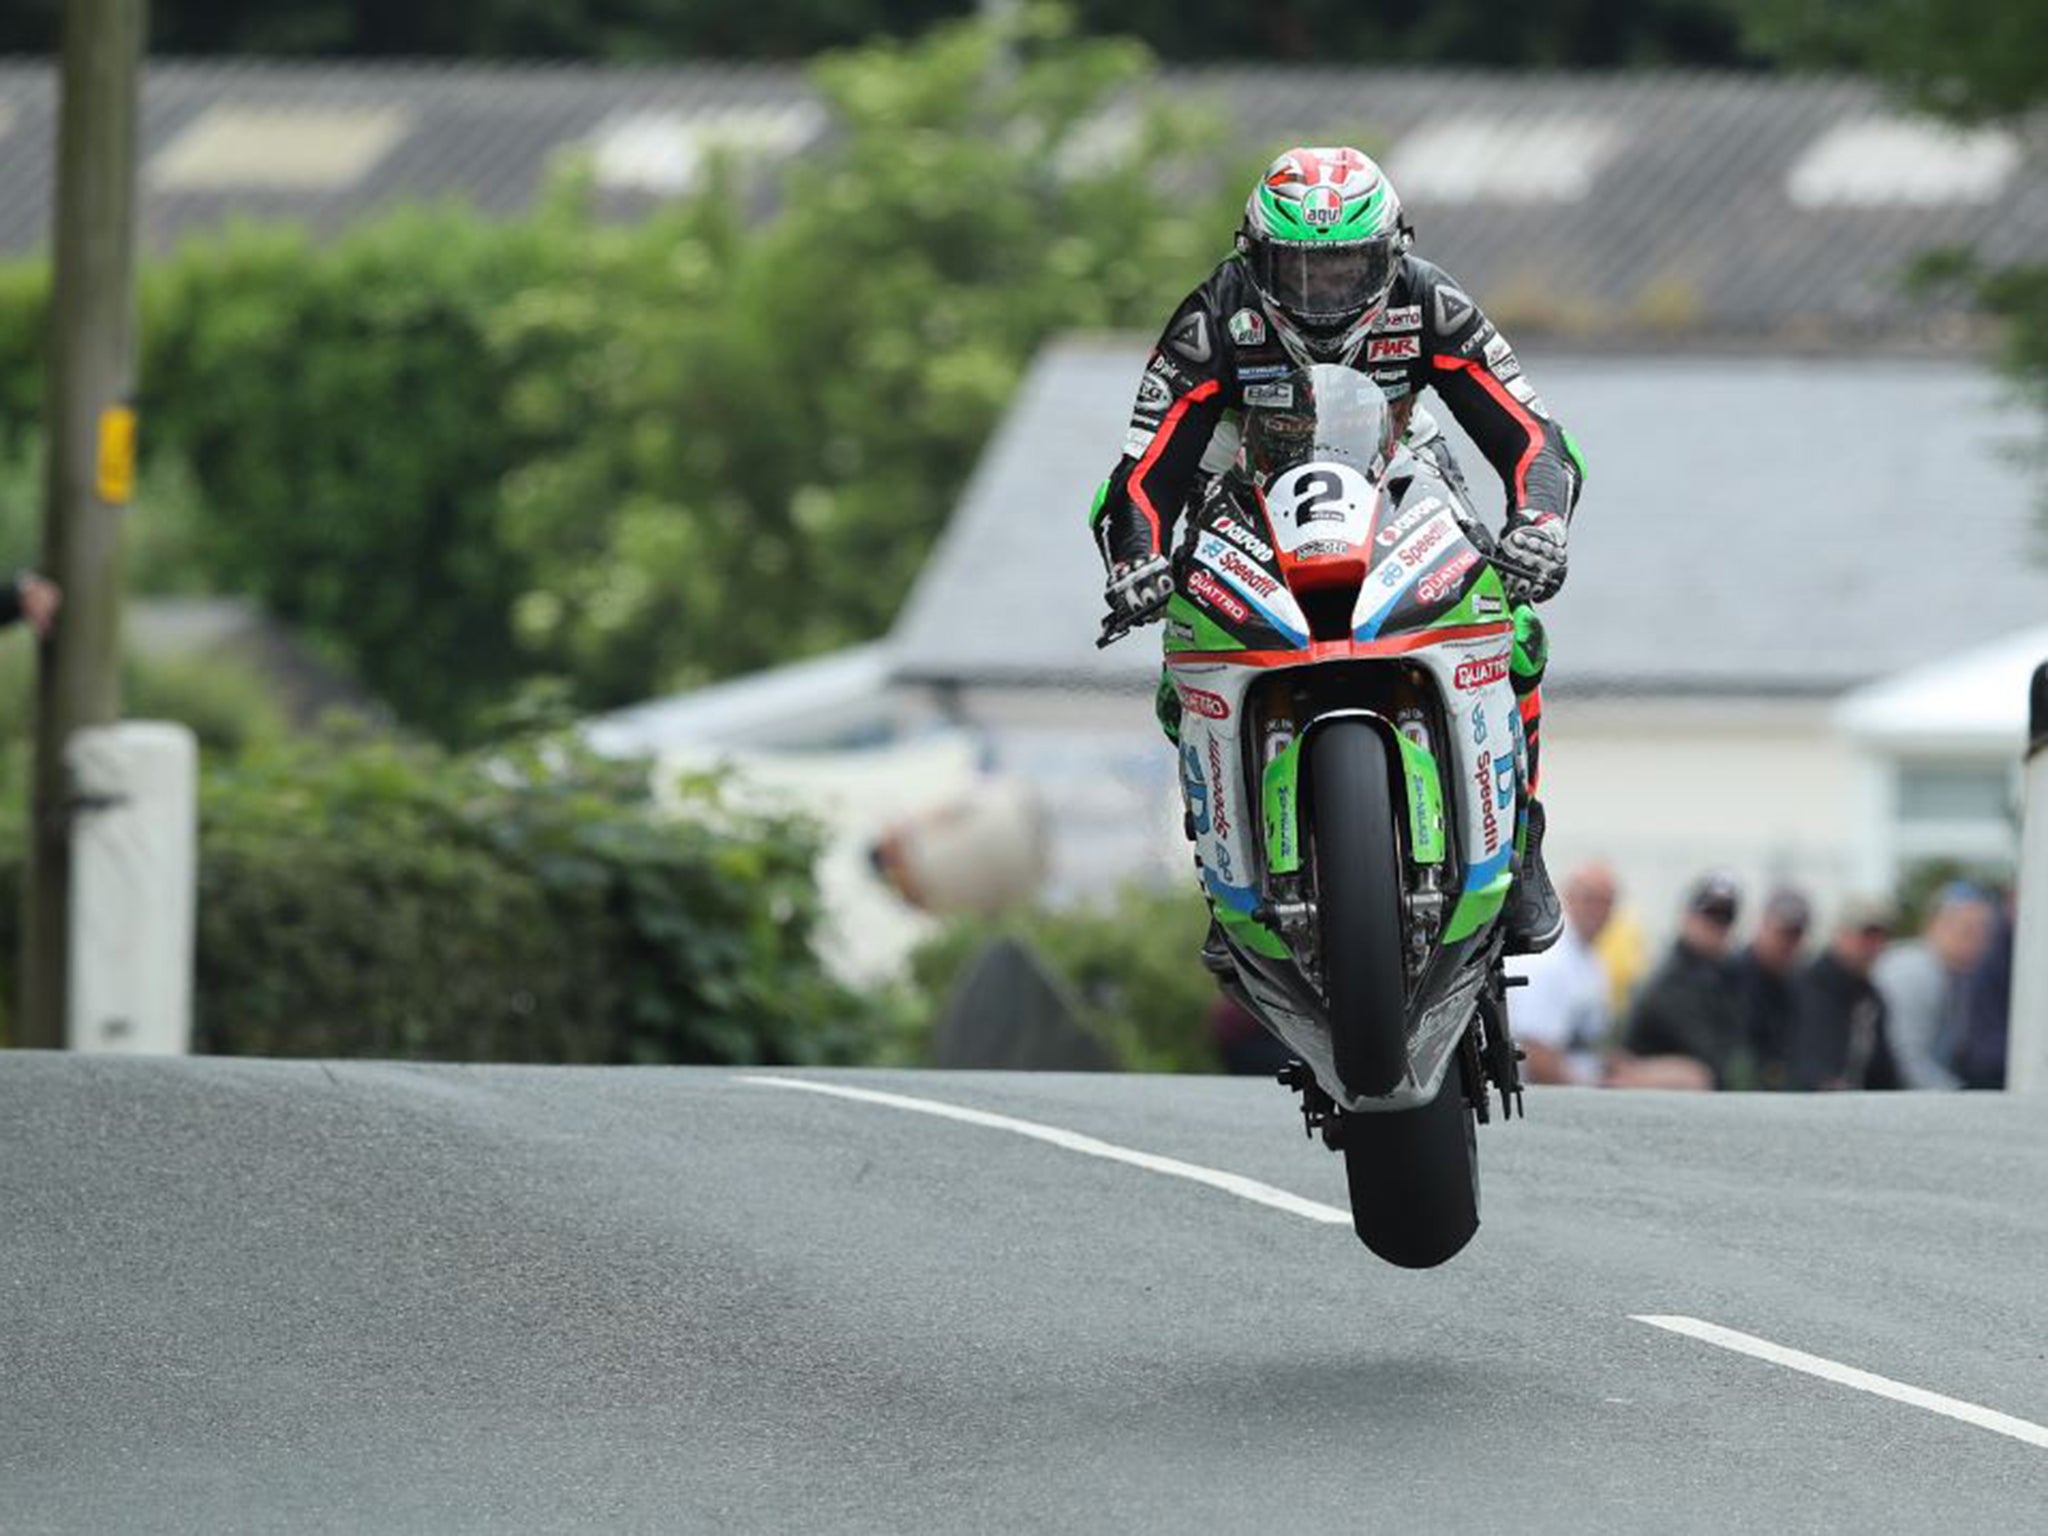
pixel 1326 577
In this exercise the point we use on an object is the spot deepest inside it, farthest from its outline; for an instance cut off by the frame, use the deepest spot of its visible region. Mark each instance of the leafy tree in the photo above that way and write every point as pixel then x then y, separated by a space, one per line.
pixel 471 456
pixel 1576 33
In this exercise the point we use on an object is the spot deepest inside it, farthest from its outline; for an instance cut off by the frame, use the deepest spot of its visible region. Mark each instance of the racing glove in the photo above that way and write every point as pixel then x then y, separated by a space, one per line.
pixel 1138 593
pixel 1530 556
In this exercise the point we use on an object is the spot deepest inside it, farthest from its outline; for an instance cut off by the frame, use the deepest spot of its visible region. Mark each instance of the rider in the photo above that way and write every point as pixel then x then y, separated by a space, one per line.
pixel 1322 274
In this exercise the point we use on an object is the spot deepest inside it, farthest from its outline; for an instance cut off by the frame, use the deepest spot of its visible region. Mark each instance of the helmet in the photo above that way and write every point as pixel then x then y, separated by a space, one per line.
pixel 1322 240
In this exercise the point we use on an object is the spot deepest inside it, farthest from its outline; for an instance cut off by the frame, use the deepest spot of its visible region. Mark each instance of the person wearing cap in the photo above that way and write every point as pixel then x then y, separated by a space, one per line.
pixel 1763 980
pixel 1839 1037
pixel 1690 1007
pixel 1921 982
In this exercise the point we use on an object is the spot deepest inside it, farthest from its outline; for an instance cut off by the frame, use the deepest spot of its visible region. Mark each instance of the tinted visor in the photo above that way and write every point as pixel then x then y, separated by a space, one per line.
pixel 1329 283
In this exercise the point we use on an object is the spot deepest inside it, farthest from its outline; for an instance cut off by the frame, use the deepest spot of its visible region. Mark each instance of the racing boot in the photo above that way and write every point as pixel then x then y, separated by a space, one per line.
pixel 1535 916
pixel 1215 953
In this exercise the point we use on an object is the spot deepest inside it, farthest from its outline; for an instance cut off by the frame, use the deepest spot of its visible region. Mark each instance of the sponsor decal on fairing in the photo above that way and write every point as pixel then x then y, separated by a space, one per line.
pixel 1386 582
pixel 1234 567
pixel 1211 591
pixel 1425 543
pixel 1243 538
pixel 1408 521
pixel 1446 578
pixel 1489 819
pixel 1218 814
pixel 1211 706
pixel 1480 672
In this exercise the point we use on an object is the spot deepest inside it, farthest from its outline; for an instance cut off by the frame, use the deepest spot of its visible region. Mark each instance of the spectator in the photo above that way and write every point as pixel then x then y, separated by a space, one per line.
pixel 1763 982
pixel 1987 1008
pixel 1838 1023
pixel 1689 1007
pixel 1560 1018
pixel 1922 986
pixel 1625 957
pixel 30 599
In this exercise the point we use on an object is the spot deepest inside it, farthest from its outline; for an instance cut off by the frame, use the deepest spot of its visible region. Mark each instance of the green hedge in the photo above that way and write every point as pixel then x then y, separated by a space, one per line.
pixel 358 898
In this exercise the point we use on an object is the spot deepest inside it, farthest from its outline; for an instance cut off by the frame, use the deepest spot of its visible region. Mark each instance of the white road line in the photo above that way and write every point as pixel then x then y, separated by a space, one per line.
pixel 1849 1376
pixel 1074 1141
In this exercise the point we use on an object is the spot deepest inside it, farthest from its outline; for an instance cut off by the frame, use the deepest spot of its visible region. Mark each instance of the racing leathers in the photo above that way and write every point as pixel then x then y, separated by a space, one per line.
pixel 1430 335
pixel 1219 348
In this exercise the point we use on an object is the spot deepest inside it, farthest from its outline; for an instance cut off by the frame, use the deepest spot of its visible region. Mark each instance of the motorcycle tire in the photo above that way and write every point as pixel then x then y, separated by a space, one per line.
pixel 1358 895
pixel 1414 1177
pixel 1413 1174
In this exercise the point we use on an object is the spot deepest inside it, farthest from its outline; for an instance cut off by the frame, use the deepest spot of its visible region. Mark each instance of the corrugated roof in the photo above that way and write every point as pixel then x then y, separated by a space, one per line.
pixel 1750 526
pixel 490 136
pixel 1688 212
pixel 1589 204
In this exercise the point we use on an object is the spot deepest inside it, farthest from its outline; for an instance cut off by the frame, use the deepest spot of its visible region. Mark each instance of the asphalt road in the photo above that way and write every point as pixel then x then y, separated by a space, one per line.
pixel 248 1296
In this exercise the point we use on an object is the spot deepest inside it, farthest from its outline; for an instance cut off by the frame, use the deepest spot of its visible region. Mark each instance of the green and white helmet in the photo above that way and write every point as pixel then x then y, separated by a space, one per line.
pixel 1323 239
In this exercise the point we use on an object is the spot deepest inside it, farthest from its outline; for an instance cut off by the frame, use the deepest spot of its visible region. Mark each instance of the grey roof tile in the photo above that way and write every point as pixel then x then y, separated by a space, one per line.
pixel 1686 226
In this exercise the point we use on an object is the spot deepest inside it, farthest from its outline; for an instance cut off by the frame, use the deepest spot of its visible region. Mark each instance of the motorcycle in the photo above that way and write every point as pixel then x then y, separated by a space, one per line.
pixel 1353 768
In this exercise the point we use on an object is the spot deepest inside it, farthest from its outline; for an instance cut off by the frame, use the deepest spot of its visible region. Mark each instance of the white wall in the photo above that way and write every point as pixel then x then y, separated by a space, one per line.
pixel 1665 789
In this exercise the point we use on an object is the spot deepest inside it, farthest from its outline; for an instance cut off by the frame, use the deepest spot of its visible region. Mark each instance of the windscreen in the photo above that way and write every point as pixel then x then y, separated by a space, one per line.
pixel 1323 413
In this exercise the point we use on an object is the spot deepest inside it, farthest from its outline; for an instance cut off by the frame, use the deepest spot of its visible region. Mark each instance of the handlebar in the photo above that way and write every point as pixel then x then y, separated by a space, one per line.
pixel 1114 627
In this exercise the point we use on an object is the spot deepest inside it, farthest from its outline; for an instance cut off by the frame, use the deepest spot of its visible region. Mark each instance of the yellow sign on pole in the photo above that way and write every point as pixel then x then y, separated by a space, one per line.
pixel 115 477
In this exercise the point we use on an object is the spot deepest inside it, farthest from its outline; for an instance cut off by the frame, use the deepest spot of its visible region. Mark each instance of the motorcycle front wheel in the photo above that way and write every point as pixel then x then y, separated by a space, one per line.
pixel 1414 1174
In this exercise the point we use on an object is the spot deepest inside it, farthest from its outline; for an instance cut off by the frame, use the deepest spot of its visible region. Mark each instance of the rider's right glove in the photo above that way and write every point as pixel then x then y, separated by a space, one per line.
pixel 1137 594
pixel 1531 556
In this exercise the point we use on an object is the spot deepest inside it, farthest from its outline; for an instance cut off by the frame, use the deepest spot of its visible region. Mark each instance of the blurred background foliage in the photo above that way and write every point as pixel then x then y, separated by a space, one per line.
pixel 362 897
pixel 470 454
pixel 1591 33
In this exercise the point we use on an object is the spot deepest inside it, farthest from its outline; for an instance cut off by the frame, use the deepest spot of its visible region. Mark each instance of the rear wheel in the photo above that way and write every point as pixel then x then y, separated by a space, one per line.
pixel 1414 1177
pixel 1414 1174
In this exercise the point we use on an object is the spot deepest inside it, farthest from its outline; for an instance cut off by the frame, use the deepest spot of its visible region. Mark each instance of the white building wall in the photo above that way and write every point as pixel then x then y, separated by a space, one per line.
pixel 1667 789
pixel 1662 789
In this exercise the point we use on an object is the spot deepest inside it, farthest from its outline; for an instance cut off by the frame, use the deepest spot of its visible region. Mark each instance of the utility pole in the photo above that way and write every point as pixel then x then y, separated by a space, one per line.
pixel 89 431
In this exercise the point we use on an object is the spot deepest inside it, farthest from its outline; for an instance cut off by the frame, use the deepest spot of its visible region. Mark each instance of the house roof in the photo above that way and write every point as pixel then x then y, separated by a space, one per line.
pixel 1634 204
pixel 837 699
pixel 324 144
pixel 1974 699
pixel 1750 526
pixel 1652 202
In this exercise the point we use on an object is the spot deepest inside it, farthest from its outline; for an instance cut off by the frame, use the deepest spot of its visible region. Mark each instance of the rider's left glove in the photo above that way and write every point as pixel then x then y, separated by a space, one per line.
pixel 1531 556
pixel 1138 593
